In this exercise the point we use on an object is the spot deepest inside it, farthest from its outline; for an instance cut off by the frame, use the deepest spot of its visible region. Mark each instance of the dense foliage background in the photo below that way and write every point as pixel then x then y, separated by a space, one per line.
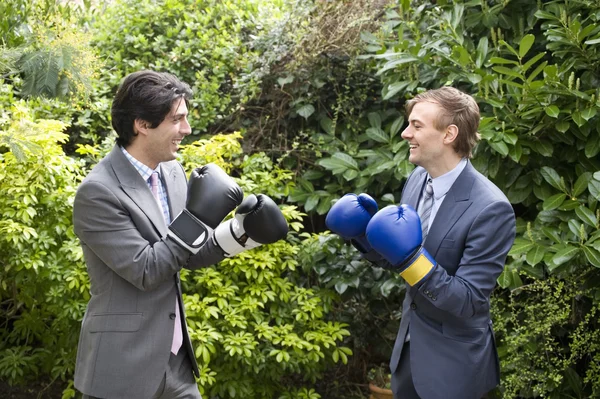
pixel 303 100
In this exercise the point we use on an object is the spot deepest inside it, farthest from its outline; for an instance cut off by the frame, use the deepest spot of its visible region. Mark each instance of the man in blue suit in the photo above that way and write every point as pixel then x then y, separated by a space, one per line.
pixel 449 240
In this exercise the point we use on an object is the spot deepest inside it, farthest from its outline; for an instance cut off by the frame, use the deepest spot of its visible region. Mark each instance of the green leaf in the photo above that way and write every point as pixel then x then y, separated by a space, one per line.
pixel 581 184
pixel 396 126
pixel 377 134
pixel 500 147
pixel 521 246
pixel 505 279
pixel 482 50
pixel 338 163
pixel 588 113
pixel 350 174
pixel 552 177
pixel 592 255
pixel 563 126
pixel 545 148
pixel 499 60
pixel 554 202
pixel 565 255
pixel 526 43
pixel 509 47
pixel 374 119
pixel 594 188
pixel 592 147
pixel 552 111
pixel 535 255
pixel 508 72
pixel 578 118
pixel 306 111
pixel 586 215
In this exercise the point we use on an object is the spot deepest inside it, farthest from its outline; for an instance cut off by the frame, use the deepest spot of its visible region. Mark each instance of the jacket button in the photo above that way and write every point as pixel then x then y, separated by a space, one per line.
pixel 413 306
pixel 172 316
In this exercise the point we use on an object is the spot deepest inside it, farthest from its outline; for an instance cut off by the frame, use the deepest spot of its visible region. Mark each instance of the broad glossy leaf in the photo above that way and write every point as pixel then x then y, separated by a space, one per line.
pixel 588 113
pixel 592 147
pixel 554 202
pixel 525 44
pixel 581 184
pixel 377 134
pixel 306 110
pixel 552 177
pixel 594 188
pixel 564 255
pixel 396 125
pixel 592 255
pixel 509 72
pixel 521 246
pixel 586 215
pixel 552 111
pixel 374 119
pixel 535 255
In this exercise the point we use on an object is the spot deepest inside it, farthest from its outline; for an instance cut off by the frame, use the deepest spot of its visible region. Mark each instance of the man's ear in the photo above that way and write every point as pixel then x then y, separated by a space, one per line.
pixel 451 134
pixel 140 126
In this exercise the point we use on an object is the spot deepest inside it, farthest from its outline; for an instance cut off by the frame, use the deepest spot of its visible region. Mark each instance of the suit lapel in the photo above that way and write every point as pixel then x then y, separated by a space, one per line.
pixel 413 191
pixel 136 188
pixel 456 202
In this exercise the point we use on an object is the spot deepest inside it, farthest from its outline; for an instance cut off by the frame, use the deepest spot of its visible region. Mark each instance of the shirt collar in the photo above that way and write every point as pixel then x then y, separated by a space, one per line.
pixel 142 169
pixel 442 184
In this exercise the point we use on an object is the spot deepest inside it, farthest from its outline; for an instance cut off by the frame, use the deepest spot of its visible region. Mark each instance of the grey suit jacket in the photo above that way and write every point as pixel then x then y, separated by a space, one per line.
pixel 452 349
pixel 127 329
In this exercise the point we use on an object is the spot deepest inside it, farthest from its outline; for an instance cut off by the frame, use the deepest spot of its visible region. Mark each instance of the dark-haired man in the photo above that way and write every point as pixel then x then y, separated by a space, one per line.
pixel 139 223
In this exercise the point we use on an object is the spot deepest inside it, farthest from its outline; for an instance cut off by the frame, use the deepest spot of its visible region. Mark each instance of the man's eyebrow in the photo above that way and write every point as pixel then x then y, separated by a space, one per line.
pixel 179 115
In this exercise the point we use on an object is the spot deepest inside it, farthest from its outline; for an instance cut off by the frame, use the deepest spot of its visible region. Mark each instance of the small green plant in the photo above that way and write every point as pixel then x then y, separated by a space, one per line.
pixel 380 376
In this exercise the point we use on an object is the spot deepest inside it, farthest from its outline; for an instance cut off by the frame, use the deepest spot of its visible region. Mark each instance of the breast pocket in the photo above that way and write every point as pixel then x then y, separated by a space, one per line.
pixel 115 322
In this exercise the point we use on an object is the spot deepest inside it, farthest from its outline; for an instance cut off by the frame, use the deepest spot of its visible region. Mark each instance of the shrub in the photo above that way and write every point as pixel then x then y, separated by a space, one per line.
pixel 248 310
pixel 43 280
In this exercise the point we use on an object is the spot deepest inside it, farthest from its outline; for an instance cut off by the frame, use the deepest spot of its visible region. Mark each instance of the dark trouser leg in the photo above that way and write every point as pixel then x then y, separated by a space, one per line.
pixel 402 383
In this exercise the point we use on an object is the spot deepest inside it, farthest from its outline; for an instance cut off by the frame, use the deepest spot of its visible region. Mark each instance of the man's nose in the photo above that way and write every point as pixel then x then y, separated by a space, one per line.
pixel 185 127
pixel 406 133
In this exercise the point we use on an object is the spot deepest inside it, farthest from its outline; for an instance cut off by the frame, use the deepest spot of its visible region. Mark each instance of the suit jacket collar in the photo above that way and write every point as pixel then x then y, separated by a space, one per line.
pixel 132 183
pixel 457 201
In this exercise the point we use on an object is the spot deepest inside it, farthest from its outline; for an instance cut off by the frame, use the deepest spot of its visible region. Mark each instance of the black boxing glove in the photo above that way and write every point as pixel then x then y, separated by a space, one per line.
pixel 212 194
pixel 258 220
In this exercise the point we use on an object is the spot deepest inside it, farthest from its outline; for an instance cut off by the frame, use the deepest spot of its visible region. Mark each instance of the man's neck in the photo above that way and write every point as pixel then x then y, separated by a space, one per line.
pixel 444 166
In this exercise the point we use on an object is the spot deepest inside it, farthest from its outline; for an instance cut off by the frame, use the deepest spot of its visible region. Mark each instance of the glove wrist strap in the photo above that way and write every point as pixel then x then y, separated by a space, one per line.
pixel 417 267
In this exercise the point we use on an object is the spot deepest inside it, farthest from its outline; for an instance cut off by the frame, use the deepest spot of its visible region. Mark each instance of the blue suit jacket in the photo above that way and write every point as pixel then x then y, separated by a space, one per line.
pixel 452 351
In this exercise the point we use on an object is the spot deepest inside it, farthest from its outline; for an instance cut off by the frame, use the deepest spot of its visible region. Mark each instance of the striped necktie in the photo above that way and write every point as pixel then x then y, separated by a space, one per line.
pixel 427 206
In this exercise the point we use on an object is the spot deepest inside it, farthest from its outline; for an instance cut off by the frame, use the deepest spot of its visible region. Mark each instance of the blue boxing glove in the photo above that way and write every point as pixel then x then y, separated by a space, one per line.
pixel 349 218
pixel 395 232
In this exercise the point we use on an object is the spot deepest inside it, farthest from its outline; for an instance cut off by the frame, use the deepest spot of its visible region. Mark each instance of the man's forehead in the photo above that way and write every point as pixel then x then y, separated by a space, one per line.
pixel 424 110
pixel 179 107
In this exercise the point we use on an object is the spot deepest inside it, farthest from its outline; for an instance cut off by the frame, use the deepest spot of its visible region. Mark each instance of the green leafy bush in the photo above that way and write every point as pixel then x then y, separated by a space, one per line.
pixel 202 42
pixel 43 281
pixel 249 310
pixel 533 68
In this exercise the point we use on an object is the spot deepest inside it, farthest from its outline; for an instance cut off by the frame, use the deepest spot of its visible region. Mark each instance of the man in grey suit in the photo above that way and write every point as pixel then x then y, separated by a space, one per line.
pixel 139 222
pixel 450 253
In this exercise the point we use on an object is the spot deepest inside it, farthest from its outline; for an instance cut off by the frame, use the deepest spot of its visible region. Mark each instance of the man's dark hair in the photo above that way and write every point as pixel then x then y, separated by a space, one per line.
pixel 145 95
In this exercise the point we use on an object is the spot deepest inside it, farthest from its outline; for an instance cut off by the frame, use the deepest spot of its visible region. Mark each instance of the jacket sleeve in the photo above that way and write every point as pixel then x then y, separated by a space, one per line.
pixel 489 239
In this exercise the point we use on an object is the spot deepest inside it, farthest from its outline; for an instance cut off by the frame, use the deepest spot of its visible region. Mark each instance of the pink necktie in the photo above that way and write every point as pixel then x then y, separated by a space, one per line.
pixel 177 333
